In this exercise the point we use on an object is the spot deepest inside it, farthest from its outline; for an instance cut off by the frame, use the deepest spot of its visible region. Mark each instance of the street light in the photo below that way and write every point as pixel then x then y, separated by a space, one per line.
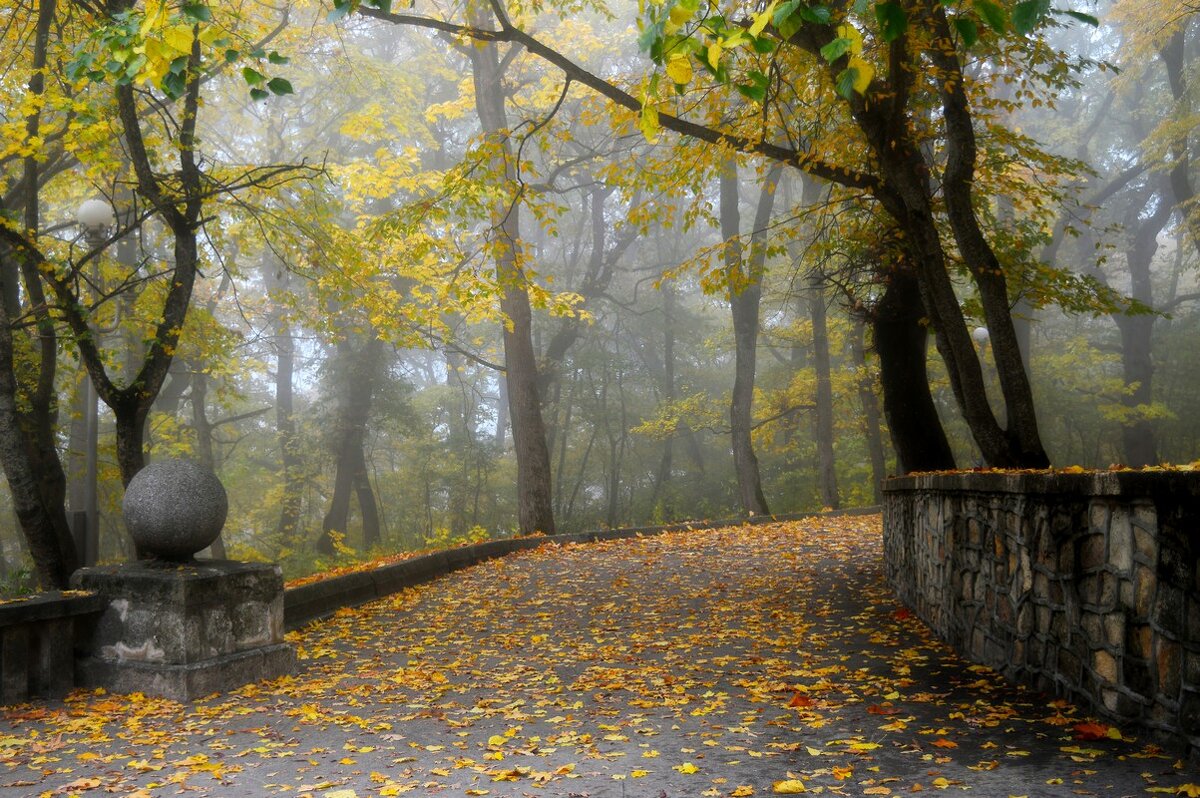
pixel 981 336
pixel 96 218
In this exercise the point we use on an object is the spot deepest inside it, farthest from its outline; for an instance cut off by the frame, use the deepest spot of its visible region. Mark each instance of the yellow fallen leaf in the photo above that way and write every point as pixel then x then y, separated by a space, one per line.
pixel 742 792
pixel 341 794
pixel 789 787
pixel 687 767
pixel 637 774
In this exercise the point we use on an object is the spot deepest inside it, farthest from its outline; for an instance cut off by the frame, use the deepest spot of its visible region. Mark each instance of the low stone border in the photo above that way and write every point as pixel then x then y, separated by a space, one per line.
pixel 307 603
pixel 37 643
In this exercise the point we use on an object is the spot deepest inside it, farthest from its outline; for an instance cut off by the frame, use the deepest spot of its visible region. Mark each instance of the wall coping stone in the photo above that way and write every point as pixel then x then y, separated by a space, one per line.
pixel 1129 484
pixel 50 606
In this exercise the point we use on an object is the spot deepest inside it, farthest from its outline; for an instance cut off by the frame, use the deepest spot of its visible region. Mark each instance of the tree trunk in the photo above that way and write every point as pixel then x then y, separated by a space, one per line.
pixel 535 499
pixel 870 408
pixel 901 341
pixel 352 478
pixel 826 466
pixel 744 282
pixel 288 531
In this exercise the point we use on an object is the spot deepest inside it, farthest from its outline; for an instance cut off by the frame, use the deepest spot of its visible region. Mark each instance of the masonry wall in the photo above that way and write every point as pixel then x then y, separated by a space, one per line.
pixel 1083 585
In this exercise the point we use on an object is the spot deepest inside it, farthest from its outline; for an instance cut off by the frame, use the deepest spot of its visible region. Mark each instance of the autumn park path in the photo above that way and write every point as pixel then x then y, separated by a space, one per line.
pixel 743 661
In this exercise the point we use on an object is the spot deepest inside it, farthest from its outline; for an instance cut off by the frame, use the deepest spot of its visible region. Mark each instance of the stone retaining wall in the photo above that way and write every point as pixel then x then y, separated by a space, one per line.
pixel 1084 585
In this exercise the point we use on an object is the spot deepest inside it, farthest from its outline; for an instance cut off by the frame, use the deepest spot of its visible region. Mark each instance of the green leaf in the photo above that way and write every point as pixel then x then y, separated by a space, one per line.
pixel 259 94
pixel 197 12
pixel 279 86
pixel 967 30
pixel 845 83
pixel 784 11
pixel 252 76
pixel 893 22
pixel 787 29
pixel 861 6
pixel 836 49
pixel 1086 19
pixel 750 91
pixel 1027 15
pixel 763 45
pixel 383 5
pixel 818 14
pixel 232 55
pixel 993 15
pixel 276 58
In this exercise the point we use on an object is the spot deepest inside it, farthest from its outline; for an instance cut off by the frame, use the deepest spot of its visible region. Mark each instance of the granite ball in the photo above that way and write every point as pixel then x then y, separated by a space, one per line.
pixel 174 508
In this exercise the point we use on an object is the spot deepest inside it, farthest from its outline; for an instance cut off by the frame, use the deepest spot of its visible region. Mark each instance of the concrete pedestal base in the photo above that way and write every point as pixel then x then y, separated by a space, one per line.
pixel 183 631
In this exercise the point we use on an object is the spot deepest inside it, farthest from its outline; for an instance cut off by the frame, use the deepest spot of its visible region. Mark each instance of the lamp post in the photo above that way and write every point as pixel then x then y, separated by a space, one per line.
pixel 96 219
pixel 981 336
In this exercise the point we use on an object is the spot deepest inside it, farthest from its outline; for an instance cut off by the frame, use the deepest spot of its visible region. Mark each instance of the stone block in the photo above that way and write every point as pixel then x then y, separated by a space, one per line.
pixel 1098 517
pixel 1092 554
pixel 14 663
pixel 1139 640
pixel 1120 541
pixel 1104 665
pixel 1069 666
pixel 1110 589
pixel 1189 713
pixel 1025 619
pixel 189 681
pixel 1145 586
pixel 181 631
pixel 1168 656
pixel 1114 629
pixel 1168 610
pixel 1145 545
pixel 1136 676
pixel 1191 671
pixel 53 657
pixel 1092 628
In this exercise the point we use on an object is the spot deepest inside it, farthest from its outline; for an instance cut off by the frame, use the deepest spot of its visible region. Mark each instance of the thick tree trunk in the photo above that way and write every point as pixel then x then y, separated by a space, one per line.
pixel 826 465
pixel 535 499
pixel 43 524
pixel 901 341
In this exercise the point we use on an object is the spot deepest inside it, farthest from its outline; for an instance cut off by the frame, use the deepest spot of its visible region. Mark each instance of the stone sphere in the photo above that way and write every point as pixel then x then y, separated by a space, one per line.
pixel 174 508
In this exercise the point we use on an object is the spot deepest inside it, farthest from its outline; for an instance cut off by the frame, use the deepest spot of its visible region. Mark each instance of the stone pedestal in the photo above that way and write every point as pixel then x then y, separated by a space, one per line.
pixel 184 630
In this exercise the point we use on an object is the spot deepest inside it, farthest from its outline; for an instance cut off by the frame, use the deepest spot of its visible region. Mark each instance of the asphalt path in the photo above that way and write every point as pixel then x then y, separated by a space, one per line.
pixel 745 661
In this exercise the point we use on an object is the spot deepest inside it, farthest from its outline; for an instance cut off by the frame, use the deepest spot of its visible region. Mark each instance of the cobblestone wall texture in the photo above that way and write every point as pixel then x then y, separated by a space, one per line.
pixel 1083 585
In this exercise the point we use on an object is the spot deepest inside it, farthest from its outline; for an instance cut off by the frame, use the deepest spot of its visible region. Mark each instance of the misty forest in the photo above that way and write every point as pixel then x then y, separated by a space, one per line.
pixel 407 277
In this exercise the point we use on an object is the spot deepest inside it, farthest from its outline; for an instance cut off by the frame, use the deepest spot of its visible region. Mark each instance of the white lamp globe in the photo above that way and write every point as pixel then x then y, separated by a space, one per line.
pixel 981 335
pixel 95 214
